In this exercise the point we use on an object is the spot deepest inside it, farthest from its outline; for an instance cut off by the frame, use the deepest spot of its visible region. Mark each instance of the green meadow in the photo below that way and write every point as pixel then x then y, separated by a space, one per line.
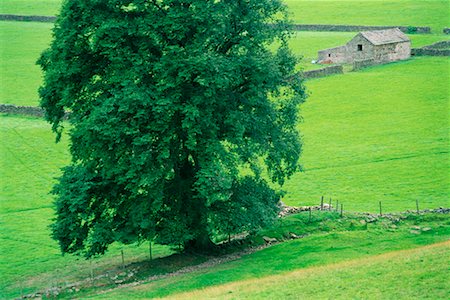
pixel 21 45
pixel 377 135
pixel 433 13
pixel 407 274
pixel 30 7
pixel 23 42
pixel 366 139
pixel 31 260
pixel 346 248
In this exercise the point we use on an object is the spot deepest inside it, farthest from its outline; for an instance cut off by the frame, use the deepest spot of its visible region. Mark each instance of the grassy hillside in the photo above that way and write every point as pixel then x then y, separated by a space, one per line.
pixel 29 162
pixel 21 45
pixel 433 13
pixel 311 252
pixel 23 42
pixel 405 274
pixel 377 135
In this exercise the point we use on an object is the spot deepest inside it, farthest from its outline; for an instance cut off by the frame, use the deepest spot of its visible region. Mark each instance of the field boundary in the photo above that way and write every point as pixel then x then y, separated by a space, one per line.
pixel 22 18
pixel 441 48
pixel 34 111
pixel 22 110
pixel 296 27
pixel 322 72
pixel 356 28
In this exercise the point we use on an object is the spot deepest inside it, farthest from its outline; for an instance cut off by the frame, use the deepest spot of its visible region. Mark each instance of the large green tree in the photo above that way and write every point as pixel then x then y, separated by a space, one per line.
pixel 178 111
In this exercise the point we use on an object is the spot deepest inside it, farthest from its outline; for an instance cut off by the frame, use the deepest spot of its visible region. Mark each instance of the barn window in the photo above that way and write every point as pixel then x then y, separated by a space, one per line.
pixel 329 54
pixel 359 47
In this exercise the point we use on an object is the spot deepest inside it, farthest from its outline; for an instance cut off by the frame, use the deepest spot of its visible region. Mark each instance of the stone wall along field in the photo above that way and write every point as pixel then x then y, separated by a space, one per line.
pixel 48 19
pixel 323 72
pixel 356 28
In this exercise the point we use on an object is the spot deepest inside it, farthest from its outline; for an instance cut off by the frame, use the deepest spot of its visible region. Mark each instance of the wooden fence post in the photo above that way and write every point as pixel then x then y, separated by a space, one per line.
pixel 329 207
pixel 342 210
pixel 381 213
pixel 321 204
pixel 123 259
pixel 417 205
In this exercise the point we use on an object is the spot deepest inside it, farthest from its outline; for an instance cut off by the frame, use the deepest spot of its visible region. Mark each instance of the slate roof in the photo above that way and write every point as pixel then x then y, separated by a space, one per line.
pixel 387 36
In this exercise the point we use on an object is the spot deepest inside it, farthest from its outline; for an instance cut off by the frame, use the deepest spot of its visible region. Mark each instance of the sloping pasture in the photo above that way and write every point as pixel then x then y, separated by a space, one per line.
pixel 377 135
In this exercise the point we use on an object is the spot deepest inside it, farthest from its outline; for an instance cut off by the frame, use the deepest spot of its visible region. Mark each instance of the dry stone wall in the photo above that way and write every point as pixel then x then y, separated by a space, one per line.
pixel 323 72
pixel 356 28
pixel 21 110
pixel 48 19
pixel 437 49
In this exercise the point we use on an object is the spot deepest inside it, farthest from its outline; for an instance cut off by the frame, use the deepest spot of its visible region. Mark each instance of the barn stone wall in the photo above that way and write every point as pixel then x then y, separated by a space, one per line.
pixel 335 55
pixel 360 49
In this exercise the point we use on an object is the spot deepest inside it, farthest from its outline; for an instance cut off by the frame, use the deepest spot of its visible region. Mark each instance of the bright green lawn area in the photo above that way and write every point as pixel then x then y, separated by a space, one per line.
pixel 314 251
pixel 381 134
pixel 433 13
pixel 30 7
pixel 410 274
pixel 21 43
pixel 29 160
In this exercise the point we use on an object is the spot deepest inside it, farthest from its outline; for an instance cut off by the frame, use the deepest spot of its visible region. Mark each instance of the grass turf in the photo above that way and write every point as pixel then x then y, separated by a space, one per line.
pixel 314 251
pixel 23 42
pixel 21 45
pixel 30 259
pixel 433 13
pixel 33 7
pixel 377 135
pixel 406 274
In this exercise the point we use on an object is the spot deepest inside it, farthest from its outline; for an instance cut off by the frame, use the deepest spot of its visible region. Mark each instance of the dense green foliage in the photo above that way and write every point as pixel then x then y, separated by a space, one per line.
pixel 169 102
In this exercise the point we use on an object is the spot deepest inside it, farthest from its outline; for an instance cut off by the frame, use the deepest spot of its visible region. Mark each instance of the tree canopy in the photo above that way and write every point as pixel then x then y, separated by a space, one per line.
pixel 181 111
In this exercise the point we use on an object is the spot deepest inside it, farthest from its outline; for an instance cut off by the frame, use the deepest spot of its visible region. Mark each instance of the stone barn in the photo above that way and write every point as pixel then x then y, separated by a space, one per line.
pixel 379 45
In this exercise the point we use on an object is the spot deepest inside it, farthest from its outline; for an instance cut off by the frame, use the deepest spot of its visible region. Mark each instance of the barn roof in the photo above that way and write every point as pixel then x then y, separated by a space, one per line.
pixel 387 36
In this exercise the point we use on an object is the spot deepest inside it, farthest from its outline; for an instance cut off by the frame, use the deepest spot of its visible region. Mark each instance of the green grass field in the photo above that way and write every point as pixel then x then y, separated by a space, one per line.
pixel 21 44
pixel 30 259
pixel 345 248
pixel 380 134
pixel 21 77
pixel 377 135
pixel 30 7
pixel 433 13
pixel 407 274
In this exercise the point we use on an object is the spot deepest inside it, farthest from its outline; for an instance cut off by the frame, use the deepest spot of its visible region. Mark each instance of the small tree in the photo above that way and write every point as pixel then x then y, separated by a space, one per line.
pixel 171 102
